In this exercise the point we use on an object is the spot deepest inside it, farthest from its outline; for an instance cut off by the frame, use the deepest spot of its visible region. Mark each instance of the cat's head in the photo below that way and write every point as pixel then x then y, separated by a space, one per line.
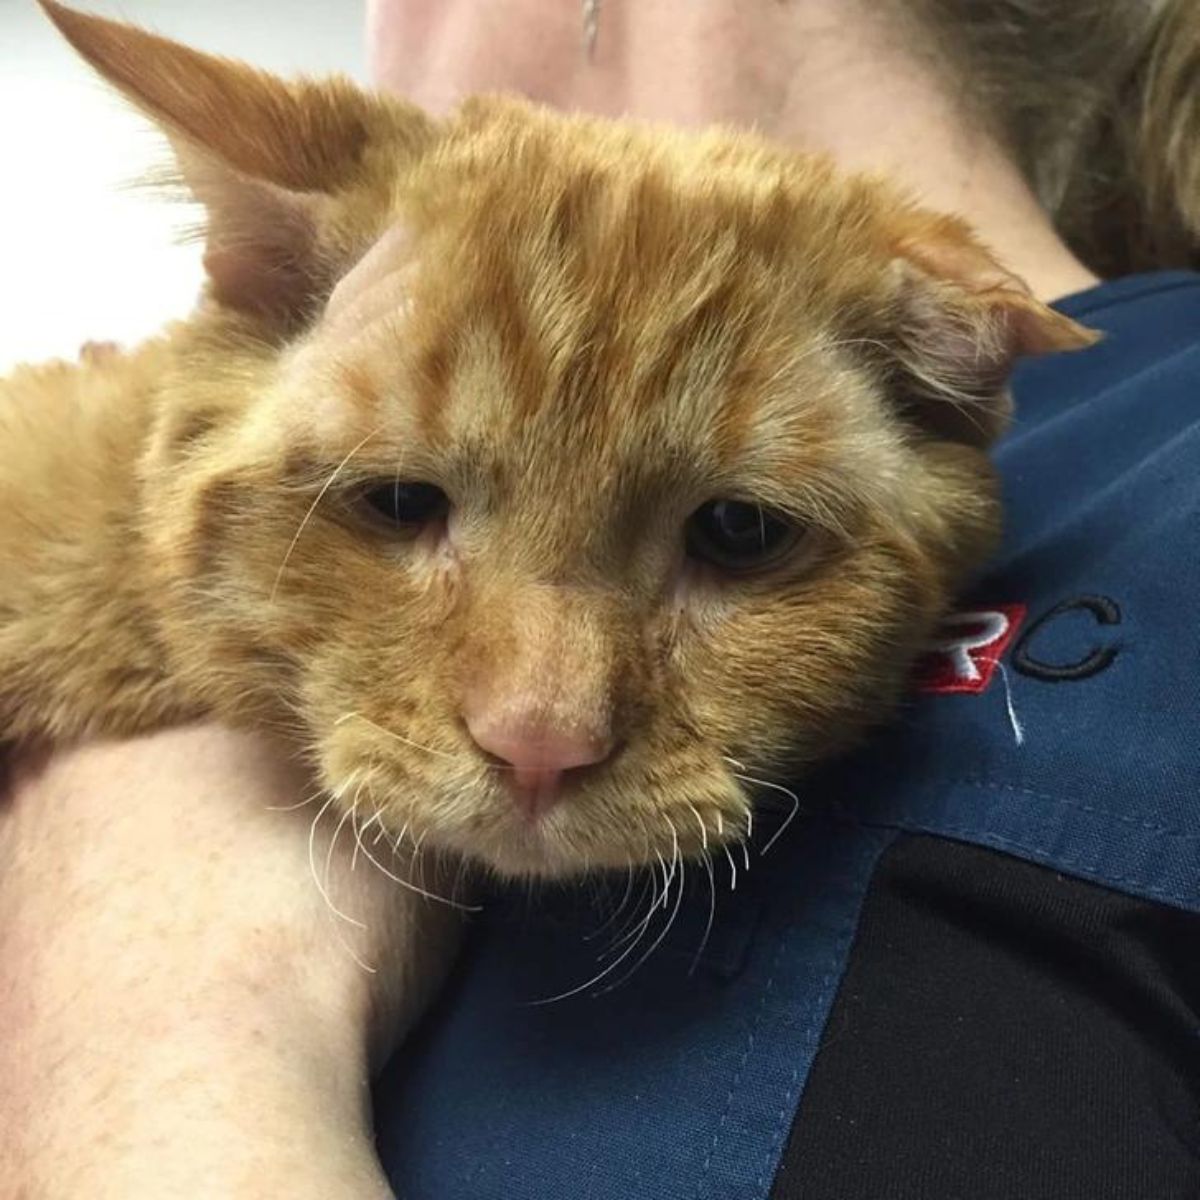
pixel 559 475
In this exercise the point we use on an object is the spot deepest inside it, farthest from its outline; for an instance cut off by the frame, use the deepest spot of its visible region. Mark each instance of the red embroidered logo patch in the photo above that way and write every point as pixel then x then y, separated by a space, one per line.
pixel 963 654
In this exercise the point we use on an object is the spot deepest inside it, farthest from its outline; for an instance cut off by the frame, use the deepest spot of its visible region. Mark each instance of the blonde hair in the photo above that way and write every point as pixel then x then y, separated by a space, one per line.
pixel 1098 101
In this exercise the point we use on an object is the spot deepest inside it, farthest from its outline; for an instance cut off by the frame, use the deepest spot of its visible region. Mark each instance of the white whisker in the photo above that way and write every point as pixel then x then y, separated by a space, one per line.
pixel 776 787
pixel 700 822
pixel 420 891
pixel 733 870
pixel 458 877
pixel 362 829
pixel 654 900
pixel 632 925
pixel 337 829
pixel 398 840
pixel 312 508
pixel 356 716
pixel 654 945
pixel 676 858
pixel 640 928
pixel 616 912
pixel 712 912
pixel 312 864
pixel 293 807
pixel 358 832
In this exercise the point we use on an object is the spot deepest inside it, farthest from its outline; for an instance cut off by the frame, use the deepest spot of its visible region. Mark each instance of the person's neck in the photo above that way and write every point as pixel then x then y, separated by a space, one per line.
pixel 835 75
pixel 856 92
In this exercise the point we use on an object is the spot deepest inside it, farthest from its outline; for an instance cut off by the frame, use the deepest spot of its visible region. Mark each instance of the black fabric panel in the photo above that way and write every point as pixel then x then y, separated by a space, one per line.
pixel 1004 1033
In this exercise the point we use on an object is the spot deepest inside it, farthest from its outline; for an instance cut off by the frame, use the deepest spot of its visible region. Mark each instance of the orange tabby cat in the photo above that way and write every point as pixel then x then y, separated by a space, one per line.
pixel 541 475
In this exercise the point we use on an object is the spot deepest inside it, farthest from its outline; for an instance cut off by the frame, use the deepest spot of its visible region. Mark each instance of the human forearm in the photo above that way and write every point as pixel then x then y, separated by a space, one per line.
pixel 181 1012
pixel 130 1104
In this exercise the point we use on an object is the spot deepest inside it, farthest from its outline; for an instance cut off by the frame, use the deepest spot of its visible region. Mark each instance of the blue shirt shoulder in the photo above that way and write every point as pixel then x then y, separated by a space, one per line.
pixel 1057 723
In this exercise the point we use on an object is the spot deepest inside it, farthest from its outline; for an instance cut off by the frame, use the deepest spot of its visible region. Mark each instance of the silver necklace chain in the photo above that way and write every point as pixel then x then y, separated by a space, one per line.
pixel 591 26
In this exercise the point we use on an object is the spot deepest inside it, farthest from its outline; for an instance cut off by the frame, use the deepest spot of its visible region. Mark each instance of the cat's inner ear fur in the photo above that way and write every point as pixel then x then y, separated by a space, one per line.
pixel 961 323
pixel 270 160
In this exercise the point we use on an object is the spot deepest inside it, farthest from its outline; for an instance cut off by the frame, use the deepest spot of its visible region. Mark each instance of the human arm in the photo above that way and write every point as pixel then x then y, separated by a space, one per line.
pixel 182 1013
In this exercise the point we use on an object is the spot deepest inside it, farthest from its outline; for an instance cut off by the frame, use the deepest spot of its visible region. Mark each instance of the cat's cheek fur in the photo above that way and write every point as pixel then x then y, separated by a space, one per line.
pixel 852 628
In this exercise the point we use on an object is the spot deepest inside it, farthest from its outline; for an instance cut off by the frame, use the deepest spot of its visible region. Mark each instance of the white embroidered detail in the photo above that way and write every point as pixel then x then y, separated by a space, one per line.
pixel 983 629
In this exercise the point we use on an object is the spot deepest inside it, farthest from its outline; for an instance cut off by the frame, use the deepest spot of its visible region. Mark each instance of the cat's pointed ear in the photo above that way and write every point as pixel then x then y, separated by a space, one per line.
pixel 963 322
pixel 268 158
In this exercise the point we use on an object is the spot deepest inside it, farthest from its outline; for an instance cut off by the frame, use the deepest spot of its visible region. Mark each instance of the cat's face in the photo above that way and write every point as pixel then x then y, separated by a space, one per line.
pixel 556 478
pixel 605 469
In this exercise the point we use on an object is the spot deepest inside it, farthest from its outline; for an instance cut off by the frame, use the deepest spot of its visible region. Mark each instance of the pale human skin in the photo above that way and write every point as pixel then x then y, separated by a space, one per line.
pixel 181 1014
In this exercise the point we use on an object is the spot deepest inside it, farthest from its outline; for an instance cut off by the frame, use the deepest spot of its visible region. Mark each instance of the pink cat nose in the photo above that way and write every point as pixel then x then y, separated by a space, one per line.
pixel 538 757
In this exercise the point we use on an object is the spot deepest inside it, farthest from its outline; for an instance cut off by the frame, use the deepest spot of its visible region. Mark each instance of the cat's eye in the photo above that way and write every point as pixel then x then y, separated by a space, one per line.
pixel 737 535
pixel 406 505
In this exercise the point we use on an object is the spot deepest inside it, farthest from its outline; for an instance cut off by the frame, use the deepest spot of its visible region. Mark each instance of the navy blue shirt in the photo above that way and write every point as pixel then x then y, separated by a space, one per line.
pixel 968 969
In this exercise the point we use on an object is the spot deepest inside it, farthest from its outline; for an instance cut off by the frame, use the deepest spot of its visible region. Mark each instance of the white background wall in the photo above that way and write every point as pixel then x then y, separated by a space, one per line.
pixel 80 256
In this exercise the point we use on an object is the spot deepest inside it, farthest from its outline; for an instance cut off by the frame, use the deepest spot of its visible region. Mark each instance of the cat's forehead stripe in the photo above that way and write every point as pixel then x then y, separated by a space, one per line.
pixel 621 316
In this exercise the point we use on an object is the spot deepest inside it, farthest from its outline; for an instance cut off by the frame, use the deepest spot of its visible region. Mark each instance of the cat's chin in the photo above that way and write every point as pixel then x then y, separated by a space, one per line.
pixel 535 851
pixel 517 862
pixel 559 850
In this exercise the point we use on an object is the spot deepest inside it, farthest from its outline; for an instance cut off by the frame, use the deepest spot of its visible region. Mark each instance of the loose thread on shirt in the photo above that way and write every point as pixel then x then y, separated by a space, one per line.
pixel 1014 721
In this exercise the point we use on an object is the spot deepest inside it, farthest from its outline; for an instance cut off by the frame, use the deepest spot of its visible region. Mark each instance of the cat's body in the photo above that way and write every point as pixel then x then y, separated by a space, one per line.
pixel 78 641
pixel 586 353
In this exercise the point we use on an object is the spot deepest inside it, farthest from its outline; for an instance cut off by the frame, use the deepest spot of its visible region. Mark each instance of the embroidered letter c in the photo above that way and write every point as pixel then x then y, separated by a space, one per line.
pixel 1098 659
